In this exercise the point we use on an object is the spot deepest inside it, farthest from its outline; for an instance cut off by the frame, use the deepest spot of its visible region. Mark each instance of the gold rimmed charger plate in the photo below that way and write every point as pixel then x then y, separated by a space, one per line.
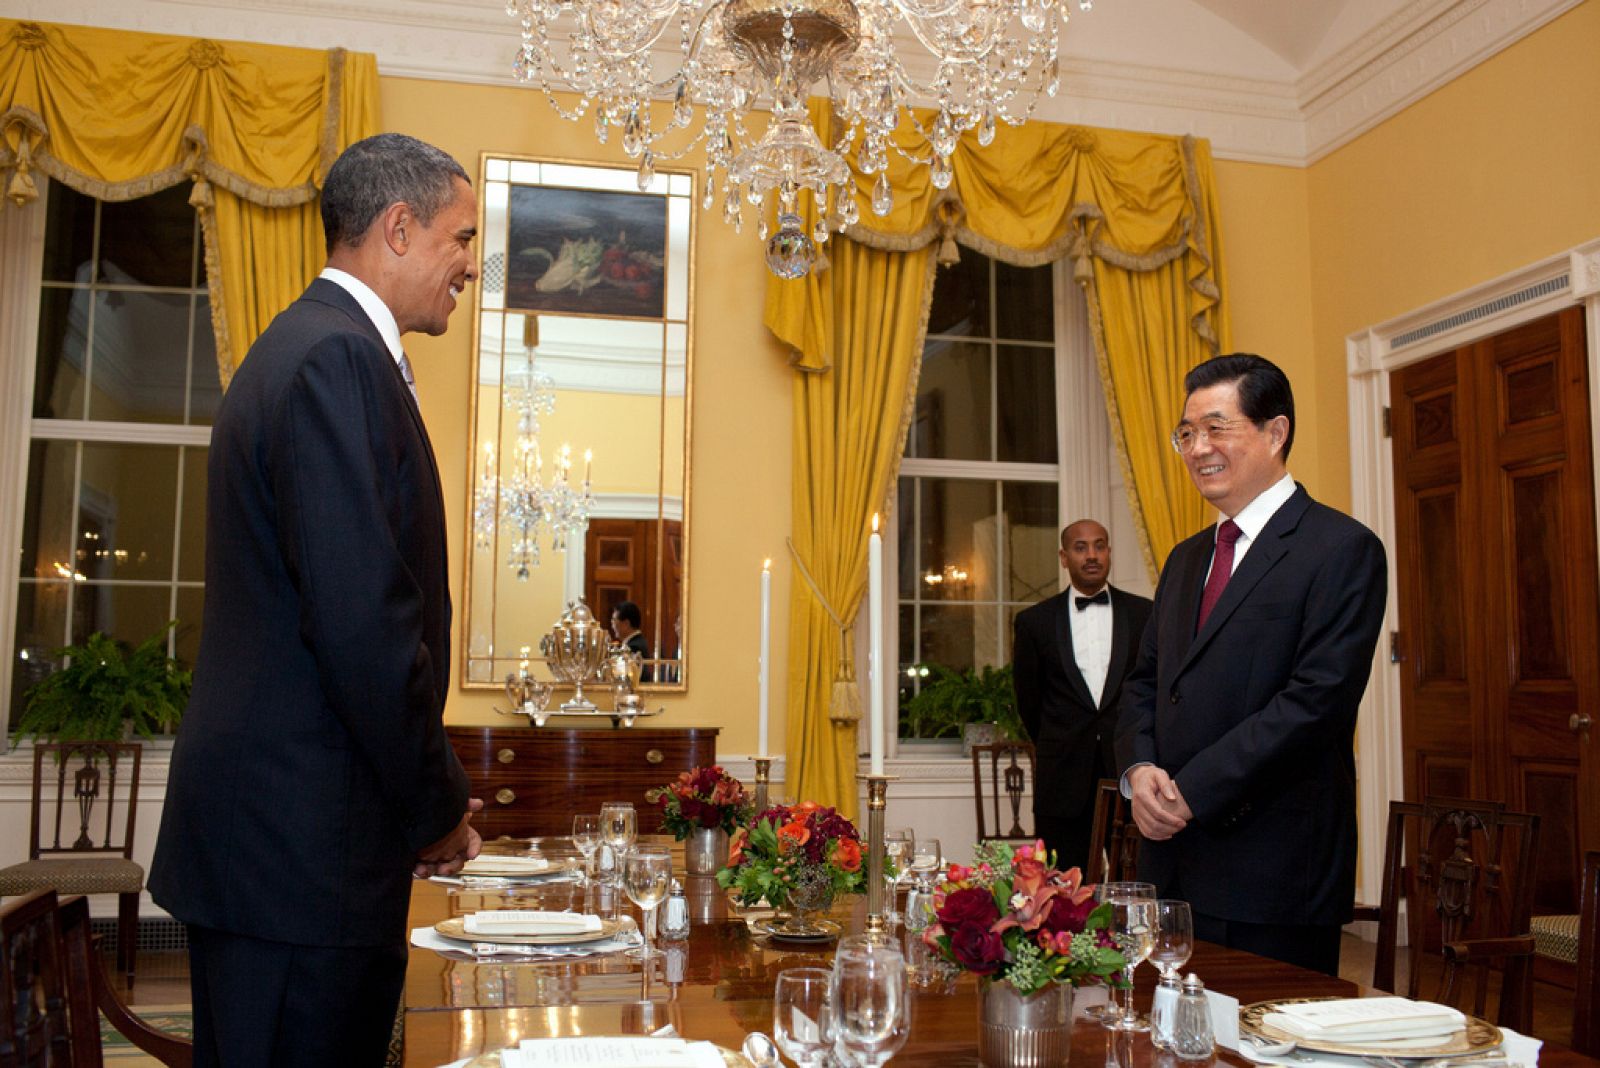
pixel 778 930
pixel 456 928
pixel 731 1058
pixel 1478 1036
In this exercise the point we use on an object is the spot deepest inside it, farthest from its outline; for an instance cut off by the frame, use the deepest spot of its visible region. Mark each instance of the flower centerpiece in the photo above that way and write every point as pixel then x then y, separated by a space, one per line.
pixel 796 857
pixel 1031 933
pixel 703 806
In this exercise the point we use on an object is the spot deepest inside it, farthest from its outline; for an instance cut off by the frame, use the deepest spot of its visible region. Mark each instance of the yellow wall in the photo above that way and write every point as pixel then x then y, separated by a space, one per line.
pixel 739 475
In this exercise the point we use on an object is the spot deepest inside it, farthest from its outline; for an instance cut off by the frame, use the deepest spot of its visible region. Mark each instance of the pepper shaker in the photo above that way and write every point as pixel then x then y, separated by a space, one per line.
pixel 675 915
pixel 1192 1035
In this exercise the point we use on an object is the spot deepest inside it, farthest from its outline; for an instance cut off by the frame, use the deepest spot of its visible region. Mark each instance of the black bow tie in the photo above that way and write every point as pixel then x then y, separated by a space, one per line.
pixel 1103 597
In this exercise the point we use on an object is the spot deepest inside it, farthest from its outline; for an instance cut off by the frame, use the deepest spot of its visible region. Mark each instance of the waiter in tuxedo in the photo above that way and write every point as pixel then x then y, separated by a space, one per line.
pixel 1070 654
pixel 311 778
pixel 1238 723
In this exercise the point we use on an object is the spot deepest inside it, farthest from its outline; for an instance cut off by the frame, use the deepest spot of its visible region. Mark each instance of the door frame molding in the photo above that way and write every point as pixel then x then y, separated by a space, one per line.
pixel 1371 354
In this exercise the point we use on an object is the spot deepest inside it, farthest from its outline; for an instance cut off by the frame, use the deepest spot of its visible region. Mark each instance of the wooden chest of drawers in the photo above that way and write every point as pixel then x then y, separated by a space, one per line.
pixel 533 781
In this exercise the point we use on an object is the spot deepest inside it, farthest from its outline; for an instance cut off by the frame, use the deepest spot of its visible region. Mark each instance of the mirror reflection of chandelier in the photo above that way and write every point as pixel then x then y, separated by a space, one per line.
pixel 736 55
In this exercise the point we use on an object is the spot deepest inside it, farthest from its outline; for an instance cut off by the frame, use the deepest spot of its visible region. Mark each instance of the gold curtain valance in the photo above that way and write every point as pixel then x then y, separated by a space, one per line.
pixel 118 115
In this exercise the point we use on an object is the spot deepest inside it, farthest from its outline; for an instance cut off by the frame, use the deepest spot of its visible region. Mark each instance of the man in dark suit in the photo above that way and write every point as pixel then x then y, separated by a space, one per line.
pixel 1238 722
pixel 312 779
pixel 1070 654
pixel 626 619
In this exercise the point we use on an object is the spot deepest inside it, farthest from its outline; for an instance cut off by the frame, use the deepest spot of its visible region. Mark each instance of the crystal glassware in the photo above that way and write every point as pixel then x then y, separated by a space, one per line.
pixel 926 858
pixel 619 825
pixel 1174 937
pixel 871 1003
pixel 1133 925
pixel 646 874
pixel 1108 892
pixel 802 1019
pixel 897 849
pixel 586 837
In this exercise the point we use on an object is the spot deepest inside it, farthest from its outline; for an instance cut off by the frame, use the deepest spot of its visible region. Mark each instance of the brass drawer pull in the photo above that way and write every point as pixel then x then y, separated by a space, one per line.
pixel 505 795
pixel 655 756
pixel 506 756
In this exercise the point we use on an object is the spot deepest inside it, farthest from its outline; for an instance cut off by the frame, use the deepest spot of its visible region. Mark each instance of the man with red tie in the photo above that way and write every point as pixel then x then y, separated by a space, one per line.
pixel 1237 728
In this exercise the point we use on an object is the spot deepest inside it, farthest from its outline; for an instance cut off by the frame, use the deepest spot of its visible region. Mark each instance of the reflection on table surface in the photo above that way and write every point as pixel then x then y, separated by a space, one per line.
pixel 718 985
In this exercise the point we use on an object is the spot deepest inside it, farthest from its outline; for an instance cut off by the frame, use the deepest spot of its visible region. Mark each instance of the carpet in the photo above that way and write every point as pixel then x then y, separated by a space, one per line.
pixel 178 1019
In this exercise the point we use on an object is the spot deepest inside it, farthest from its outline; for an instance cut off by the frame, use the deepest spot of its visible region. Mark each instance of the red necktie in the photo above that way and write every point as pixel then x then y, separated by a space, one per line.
pixel 1221 569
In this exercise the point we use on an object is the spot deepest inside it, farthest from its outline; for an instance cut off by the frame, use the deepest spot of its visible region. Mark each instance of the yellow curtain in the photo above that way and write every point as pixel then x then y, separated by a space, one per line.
pixel 118 115
pixel 846 450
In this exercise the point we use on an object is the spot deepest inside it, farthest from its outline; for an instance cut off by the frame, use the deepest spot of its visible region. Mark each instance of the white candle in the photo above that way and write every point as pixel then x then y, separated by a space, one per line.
pixel 766 652
pixel 875 649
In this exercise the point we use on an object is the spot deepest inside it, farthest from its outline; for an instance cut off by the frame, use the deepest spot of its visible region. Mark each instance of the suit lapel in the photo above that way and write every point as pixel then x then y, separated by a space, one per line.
pixel 1262 557
pixel 1069 655
pixel 1119 644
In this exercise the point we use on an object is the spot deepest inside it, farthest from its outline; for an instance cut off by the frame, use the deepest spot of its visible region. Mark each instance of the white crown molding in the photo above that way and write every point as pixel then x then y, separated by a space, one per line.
pixel 1420 48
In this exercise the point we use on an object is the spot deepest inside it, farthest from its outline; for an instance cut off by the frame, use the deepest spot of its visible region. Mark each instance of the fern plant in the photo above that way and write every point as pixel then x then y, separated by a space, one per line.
pixel 102 687
pixel 949 700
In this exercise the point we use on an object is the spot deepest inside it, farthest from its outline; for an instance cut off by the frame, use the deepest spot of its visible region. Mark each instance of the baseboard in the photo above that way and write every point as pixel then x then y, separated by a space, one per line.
pixel 156 933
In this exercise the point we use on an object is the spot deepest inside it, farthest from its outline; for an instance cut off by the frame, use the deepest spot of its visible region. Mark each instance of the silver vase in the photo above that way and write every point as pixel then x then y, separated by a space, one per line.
pixel 705 852
pixel 1024 1032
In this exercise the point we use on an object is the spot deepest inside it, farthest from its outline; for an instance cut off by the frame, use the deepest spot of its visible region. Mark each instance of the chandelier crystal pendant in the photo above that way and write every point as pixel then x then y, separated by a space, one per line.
pixel 978 63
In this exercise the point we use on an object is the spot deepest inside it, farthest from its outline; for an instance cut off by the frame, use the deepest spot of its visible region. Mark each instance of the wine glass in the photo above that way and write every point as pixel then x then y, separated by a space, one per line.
pixel 897 849
pixel 871 1007
pixel 646 872
pixel 1110 892
pixel 619 825
pixel 926 857
pixel 1133 925
pixel 802 1020
pixel 586 836
pixel 1174 939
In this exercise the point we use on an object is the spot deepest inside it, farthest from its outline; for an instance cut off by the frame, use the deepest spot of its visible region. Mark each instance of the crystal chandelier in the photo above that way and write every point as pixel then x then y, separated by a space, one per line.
pixel 989 60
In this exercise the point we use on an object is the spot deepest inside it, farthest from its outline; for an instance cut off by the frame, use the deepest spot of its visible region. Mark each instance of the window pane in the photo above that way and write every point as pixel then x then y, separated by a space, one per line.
pixel 191 609
pixel 1032 540
pixel 126 511
pixel 959 637
pixel 961 297
pixel 149 241
pixel 1024 303
pixel 1026 389
pixel 68 235
pixel 905 509
pixel 958 541
pixel 63 340
pixel 952 417
pixel 192 524
pixel 47 511
pixel 139 369
pixel 127 613
pixel 41 630
pixel 205 385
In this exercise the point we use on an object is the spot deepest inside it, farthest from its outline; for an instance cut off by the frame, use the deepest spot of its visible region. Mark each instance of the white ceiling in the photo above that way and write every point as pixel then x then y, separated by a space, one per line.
pixel 1279 81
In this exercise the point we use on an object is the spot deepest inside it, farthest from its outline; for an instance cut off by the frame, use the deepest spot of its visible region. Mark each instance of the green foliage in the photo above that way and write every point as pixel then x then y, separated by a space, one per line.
pixel 105 685
pixel 949 700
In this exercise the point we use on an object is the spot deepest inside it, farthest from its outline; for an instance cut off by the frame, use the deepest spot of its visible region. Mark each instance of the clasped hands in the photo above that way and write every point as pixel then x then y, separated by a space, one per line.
pixel 1158 805
pixel 450 853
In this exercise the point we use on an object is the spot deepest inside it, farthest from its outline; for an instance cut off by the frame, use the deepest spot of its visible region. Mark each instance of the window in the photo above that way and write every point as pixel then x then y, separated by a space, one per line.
pixel 978 500
pixel 125 385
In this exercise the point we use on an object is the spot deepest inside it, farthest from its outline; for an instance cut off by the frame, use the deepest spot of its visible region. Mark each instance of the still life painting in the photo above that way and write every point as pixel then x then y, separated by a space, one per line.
pixel 586 252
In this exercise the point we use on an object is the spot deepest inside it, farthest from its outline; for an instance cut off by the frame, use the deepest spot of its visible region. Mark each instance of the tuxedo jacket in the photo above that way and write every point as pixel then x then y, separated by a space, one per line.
pixel 1072 732
pixel 312 763
pixel 1254 716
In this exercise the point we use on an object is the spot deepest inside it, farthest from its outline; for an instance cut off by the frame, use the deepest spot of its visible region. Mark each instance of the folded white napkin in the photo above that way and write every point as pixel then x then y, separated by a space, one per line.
pixel 621 1051
pixel 1360 1020
pixel 1521 1051
pixel 529 922
pixel 428 938
pixel 498 864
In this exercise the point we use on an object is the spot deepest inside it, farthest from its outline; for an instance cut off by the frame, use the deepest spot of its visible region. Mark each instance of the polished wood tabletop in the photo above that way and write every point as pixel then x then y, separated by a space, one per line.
pixel 718 985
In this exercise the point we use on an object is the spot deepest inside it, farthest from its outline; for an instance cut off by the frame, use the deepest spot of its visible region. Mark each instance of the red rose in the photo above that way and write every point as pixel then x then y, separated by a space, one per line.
pixel 1068 915
pixel 973 906
pixel 848 855
pixel 977 949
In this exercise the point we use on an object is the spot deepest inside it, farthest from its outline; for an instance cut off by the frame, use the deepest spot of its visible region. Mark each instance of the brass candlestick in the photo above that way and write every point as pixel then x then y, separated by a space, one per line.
pixel 763 778
pixel 877 797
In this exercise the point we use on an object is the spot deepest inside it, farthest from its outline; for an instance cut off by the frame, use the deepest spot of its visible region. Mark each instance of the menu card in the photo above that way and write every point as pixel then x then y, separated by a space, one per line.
pixel 529 922
pixel 611 1052
pixel 1356 1020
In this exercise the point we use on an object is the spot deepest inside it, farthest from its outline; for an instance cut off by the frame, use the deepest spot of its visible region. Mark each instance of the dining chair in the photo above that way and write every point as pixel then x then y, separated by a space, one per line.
pixel 81 842
pixel 1114 839
pixel 1462 873
pixel 998 772
pixel 1586 1002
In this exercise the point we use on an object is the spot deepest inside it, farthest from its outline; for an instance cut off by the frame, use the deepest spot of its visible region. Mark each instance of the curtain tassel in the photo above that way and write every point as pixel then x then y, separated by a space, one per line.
pixel 200 196
pixel 844 708
pixel 948 214
pixel 21 189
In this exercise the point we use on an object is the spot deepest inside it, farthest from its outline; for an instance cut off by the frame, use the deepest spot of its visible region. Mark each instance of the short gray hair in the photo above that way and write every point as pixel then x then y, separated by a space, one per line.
pixel 381 170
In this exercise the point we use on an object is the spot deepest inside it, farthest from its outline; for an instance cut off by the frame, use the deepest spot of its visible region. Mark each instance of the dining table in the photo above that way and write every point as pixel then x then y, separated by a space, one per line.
pixel 717 985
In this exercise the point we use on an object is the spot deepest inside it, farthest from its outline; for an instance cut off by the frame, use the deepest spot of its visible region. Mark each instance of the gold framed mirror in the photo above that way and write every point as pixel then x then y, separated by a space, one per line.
pixel 580 410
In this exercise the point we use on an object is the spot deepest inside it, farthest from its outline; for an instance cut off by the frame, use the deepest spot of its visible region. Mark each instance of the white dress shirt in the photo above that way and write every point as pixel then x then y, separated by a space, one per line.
pixel 372 304
pixel 1253 517
pixel 1091 641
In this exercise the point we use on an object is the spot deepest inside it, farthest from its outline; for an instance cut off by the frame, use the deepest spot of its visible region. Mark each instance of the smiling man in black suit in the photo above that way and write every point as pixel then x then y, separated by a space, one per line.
pixel 312 779
pixel 1238 722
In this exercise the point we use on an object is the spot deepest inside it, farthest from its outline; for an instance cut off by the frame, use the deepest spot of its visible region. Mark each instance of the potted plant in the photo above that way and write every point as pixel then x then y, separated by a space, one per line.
pixel 796 857
pixel 106 690
pixel 977 704
pixel 702 808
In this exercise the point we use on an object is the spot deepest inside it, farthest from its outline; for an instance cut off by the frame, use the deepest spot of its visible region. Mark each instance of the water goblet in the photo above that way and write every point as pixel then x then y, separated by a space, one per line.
pixel 619 825
pixel 897 847
pixel 802 1020
pixel 1133 925
pixel 926 858
pixel 1110 892
pixel 586 837
pixel 871 1006
pixel 646 873
pixel 1174 941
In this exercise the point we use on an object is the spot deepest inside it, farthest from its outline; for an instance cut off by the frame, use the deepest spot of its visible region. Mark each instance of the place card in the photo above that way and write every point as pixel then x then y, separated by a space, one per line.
pixel 529 922
pixel 612 1052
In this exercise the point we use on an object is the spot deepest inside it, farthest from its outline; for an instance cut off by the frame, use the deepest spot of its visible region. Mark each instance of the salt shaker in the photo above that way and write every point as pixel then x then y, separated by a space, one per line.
pixel 1192 1036
pixel 675 915
pixel 1164 1011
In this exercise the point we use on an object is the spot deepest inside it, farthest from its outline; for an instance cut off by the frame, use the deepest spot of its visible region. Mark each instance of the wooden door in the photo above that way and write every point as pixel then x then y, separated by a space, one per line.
pixel 638 560
pixel 1496 560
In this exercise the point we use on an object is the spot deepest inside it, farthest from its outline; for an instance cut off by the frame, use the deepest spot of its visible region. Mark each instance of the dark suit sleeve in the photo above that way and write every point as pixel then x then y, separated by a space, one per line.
pixel 337 470
pixel 1343 612
pixel 1135 720
pixel 1025 674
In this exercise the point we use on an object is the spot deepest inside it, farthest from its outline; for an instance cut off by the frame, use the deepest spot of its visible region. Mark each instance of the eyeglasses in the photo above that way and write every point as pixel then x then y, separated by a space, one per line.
pixel 1214 430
